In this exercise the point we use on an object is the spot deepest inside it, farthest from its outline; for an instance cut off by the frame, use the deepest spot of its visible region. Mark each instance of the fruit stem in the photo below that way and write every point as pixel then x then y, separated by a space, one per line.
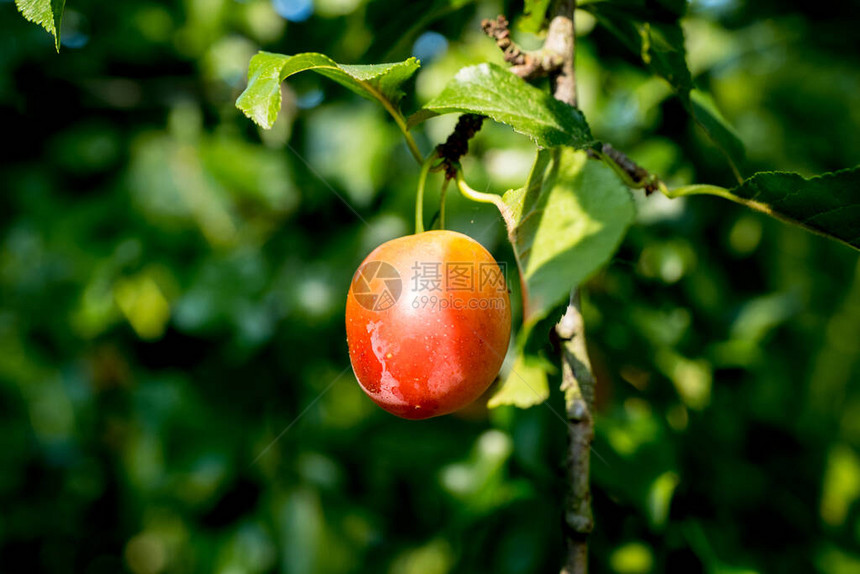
pixel 401 123
pixel 474 194
pixel 442 195
pixel 419 197
pixel 482 197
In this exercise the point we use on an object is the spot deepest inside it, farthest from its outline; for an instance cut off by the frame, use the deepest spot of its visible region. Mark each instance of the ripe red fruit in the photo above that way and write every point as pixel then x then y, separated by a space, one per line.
pixel 428 320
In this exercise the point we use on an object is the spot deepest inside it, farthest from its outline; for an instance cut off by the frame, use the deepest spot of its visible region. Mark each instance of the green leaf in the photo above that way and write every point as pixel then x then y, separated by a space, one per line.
pixel 492 91
pixel 567 222
pixel 655 34
pixel 526 385
pixel 46 13
pixel 828 204
pixel 569 219
pixel 534 16
pixel 261 100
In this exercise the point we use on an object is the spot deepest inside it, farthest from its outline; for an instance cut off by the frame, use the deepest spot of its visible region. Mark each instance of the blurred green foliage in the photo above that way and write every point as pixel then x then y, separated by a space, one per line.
pixel 172 282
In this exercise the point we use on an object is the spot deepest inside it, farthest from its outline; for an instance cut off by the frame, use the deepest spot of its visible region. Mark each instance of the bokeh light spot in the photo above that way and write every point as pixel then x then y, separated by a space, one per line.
pixel 294 10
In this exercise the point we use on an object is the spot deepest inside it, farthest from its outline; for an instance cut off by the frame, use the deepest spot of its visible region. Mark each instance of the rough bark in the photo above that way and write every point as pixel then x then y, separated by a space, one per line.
pixel 578 387
pixel 577 378
pixel 556 60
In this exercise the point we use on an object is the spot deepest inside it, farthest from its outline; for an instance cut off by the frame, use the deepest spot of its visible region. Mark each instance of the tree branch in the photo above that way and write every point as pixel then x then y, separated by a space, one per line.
pixel 561 40
pixel 578 386
pixel 556 60
pixel 633 174
pixel 577 379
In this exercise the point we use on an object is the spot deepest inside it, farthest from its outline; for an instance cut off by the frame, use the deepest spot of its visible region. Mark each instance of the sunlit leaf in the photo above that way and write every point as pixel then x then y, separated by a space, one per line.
pixel 526 385
pixel 565 223
pixel 492 91
pixel 46 13
pixel 261 100
pixel 569 218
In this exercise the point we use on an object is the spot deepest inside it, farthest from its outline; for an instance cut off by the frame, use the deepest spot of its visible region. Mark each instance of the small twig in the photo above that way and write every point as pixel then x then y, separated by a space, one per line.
pixel 499 31
pixel 527 65
pixel 555 59
pixel 457 144
pixel 634 175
